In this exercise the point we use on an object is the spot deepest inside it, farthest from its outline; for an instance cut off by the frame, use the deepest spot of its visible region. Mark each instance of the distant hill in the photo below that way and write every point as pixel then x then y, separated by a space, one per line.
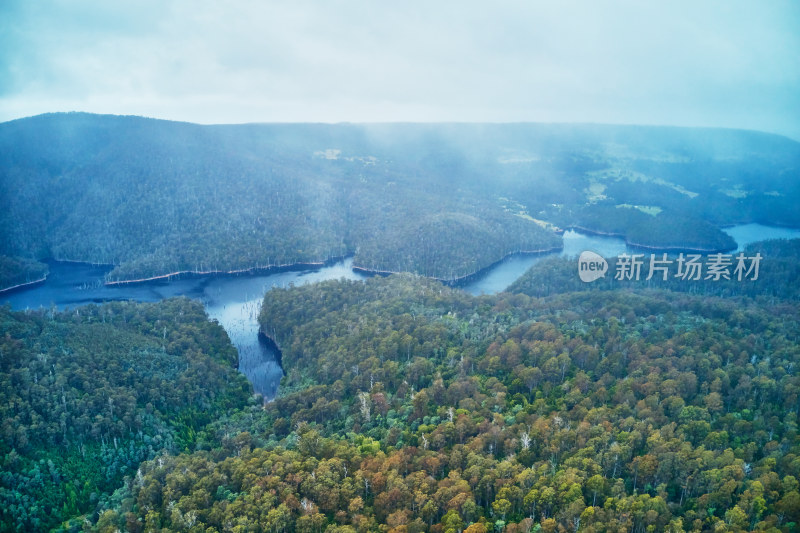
pixel 154 197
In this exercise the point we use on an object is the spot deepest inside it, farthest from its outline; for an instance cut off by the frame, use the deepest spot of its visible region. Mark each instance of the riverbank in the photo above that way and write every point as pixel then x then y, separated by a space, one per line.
pixel 271 344
pixel 22 286
pixel 256 270
pixel 289 267
pixel 589 231
pixel 679 248
pixel 461 280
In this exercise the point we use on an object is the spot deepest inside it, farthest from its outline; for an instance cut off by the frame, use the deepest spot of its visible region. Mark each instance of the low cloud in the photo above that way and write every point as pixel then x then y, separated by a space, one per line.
pixel 723 63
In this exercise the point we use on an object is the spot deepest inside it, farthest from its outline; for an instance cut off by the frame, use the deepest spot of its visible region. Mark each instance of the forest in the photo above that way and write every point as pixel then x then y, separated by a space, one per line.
pixel 87 395
pixel 17 271
pixel 411 406
pixel 154 198
pixel 407 404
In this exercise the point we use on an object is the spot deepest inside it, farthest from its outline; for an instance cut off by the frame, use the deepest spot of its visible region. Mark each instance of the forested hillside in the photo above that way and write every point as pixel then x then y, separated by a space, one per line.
pixel 155 197
pixel 442 200
pixel 409 406
pixel 87 395
pixel 16 271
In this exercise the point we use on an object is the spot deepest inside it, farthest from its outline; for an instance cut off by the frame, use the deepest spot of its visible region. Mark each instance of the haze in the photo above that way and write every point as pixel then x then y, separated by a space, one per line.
pixel 723 63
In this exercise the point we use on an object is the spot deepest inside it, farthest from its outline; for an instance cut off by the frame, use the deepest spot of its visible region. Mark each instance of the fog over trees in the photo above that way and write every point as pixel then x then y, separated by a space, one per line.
pixel 442 200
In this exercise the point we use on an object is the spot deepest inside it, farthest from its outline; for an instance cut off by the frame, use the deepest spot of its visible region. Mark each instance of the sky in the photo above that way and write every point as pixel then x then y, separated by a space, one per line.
pixel 722 63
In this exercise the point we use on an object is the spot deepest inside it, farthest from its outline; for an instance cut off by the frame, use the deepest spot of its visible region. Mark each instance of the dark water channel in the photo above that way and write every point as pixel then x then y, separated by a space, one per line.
pixel 234 301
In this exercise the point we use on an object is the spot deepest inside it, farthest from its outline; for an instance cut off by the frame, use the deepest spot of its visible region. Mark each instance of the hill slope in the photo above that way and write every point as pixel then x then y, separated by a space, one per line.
pixel 88 395
pixel 443 200
pixel 409 406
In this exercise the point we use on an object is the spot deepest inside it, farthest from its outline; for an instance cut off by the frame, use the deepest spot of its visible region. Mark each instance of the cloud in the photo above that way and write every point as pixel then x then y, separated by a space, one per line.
pixel 719 63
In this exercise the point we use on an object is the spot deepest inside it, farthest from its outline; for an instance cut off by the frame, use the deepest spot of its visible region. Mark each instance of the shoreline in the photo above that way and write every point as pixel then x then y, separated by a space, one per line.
pixel 680 248
pixel 287 267
pixel 453 282
pixel 588 231
pixel 25 285
pixel 769 225
pixel 78 261
pixel 272 344
pixel 269 343
pixel 461 280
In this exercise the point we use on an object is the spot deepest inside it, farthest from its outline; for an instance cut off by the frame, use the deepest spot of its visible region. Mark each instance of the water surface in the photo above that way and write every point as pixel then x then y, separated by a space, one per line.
pixel 235 304
pixel 500 276
pixel 234 301
pixel 745 234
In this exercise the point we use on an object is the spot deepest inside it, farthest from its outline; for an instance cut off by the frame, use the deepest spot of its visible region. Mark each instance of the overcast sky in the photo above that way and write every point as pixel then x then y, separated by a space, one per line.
pixel 712 63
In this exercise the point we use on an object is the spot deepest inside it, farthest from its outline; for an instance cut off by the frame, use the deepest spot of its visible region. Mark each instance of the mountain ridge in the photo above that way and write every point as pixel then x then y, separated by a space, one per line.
pixel 444 200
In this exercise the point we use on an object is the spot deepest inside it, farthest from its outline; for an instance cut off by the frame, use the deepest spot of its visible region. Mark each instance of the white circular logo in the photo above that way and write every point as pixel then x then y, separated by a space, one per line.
pixel 591 266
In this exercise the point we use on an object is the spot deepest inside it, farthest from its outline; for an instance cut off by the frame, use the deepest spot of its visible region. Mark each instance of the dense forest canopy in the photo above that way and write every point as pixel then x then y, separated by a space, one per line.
pixel 87 395
pixel 20 271
pixel 412 406
pixel 443 200
pixel 409 406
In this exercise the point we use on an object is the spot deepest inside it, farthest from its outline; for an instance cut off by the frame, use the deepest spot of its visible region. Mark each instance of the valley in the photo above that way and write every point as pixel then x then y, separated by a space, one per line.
pixel 168 278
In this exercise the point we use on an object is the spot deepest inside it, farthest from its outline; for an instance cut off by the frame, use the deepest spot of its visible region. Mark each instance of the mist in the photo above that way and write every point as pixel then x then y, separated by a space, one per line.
pixel 720 64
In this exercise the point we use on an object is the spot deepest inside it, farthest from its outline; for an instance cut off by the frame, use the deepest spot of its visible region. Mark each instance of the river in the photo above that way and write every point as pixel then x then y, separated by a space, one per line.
pixel 234 301
pixel 506 272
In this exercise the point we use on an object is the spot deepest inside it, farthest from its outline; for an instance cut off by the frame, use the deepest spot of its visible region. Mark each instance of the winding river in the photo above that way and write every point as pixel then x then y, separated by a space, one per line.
pixel 234 301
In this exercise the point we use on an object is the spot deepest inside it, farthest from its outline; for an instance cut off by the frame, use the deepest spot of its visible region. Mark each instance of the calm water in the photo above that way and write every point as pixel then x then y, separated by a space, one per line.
pixel 506 272
pixel 234 300
pixel 745 234
pixel 499 277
